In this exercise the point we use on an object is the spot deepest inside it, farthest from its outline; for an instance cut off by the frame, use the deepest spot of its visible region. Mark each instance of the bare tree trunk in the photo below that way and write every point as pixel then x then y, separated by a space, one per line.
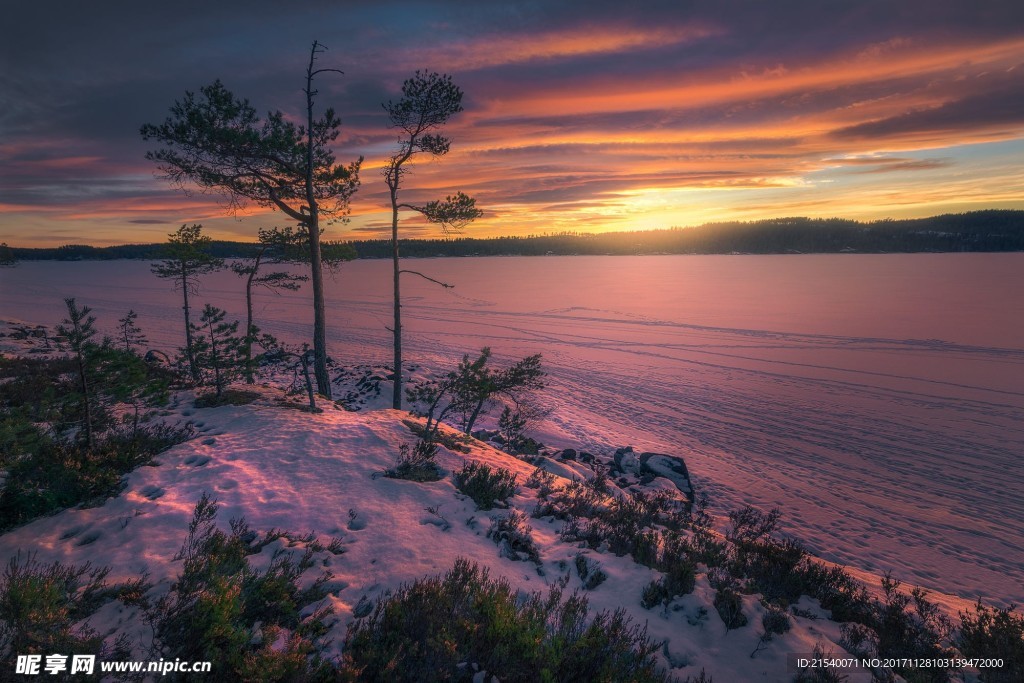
pixel 304 359
pixel 189 348
pixel 472 418
pixel 323 379
pixel 396 401
pixel 86 400
pixel 249 379
pixel 216 362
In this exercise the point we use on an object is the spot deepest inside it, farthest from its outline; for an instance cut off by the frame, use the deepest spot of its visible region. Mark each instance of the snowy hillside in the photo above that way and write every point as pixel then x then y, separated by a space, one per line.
pixel 285 469
pixel 698 598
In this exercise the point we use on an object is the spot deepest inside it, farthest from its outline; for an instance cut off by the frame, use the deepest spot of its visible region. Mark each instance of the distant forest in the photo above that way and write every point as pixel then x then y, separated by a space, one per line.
pixel 993 230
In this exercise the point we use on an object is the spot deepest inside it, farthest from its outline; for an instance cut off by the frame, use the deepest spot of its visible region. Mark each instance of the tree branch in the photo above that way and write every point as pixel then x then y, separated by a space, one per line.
pixel 416 272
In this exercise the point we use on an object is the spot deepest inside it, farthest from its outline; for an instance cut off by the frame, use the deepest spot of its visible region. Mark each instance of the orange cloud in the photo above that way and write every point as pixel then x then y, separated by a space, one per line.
pixel 736 83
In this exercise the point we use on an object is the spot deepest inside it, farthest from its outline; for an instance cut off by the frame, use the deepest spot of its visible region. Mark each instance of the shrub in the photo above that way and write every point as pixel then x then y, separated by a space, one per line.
pixel 64 445
pixel 472 388
pixel 679 579
pixel 775 621
pixel 592 532
pixel 445 628
pixel 227 397
pixel 911 627
pixel 512 426
pixel 590 572
pixel 61 473
pixel 837 591
pixel 704 547
pixel 575 499
pixel 485 485
pixel 644 549
pixel 512 534
pixel 30 387
pixel 994 633
pixel 247 622
pixel 730 608
pixel 623 521
pixel 750 525
pixel 417 464
pixel 859 640
pixel 720 579
pixel 770 568
pixel 541 480
pixel 41 604
pixel 653 595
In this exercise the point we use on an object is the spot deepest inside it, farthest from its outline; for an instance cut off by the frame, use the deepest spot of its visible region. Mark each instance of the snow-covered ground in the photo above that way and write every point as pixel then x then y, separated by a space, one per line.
pixel 876 399
pixel 289 470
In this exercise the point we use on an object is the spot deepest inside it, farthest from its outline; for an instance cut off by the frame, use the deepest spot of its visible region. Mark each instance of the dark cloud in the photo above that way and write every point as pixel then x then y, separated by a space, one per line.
pixel 1001 106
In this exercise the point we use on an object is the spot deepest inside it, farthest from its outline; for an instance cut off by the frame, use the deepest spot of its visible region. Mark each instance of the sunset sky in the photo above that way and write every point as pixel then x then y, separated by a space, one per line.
pixel 584 116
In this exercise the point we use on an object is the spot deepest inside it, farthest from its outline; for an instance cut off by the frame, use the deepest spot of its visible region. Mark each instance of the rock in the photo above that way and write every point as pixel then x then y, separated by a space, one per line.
pixel 671 467
pixel 486 435
pixel 673 462
pixel 569 454
pixel 154 356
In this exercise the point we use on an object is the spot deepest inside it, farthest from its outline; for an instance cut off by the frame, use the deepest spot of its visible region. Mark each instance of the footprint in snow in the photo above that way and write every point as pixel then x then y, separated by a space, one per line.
pixel 89 538
pixel 209 442
pixel 441 524
pixel 72 532
pixel 197 460
pixel 152 492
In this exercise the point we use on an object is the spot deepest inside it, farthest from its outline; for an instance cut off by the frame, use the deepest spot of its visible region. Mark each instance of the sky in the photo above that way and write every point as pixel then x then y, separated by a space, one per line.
pixel 585 116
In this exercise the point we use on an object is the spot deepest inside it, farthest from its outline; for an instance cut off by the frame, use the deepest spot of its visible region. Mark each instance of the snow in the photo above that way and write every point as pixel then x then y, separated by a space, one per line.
pixel 875 399
pixel 285 469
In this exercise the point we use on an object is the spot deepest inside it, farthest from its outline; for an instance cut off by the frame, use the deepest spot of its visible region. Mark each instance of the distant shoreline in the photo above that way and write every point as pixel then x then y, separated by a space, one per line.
pixel 977 231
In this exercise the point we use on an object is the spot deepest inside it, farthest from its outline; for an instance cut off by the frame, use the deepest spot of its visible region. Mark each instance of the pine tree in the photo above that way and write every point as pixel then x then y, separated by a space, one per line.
pixel 217 348
pixel 130 333
pixel 77 331
pixel 276 246
pixel 485 385
pixel 472 388
pixel 187 259
pixel 428 101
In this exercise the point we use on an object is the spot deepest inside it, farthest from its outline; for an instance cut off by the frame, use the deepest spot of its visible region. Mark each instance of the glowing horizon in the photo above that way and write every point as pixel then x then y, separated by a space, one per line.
pixel 590 122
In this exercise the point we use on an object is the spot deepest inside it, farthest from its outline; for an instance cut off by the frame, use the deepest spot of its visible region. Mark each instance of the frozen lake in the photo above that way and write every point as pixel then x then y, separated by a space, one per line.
pixel 877 399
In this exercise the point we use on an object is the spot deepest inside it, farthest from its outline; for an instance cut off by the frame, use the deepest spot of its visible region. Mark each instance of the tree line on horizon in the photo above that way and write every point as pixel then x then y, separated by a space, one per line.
pixel 976 231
